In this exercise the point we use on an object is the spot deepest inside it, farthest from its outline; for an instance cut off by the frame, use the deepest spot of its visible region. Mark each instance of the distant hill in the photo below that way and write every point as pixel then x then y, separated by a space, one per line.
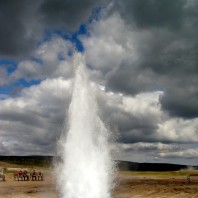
pixel 122 165
pixel 134 166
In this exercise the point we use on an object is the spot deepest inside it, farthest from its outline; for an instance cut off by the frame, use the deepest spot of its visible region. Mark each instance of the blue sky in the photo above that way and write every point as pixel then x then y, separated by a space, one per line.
pixel 11 65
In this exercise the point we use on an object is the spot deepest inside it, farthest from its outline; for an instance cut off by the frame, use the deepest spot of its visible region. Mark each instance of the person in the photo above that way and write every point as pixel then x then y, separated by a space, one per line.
pixel 34 175
pixel 25 175
pixel 20 175
pixel 1 172
pixel 40 176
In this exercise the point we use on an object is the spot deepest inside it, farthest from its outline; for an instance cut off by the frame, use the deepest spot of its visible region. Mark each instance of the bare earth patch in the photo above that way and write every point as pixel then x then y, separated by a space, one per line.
pixel 129 185
pixel 28 189
pixel 132 186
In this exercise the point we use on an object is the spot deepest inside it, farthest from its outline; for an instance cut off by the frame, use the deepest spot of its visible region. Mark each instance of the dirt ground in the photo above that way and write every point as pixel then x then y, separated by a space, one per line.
pixel 129 185
pixel 27 189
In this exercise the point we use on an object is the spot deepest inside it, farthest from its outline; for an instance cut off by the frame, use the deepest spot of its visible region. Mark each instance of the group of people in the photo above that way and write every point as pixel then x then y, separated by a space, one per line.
pixel 25 176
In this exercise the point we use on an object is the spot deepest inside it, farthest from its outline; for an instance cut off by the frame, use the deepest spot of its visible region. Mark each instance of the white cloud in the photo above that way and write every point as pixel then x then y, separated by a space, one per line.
pixel 51 50
pixel 110 42
pixel 177 129
pixel 187 153
pixel 35 119
pixel 51 59
pixel 141 118
pixel 144 104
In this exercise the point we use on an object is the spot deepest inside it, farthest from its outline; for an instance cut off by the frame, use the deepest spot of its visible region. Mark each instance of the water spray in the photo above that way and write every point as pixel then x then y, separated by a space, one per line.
pixel 86 167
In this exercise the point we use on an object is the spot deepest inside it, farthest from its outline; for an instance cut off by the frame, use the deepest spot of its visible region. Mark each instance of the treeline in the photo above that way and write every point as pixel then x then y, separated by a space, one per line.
pixel 43 161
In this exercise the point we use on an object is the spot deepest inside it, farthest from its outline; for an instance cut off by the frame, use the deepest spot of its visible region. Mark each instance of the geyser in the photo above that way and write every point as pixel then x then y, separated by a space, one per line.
pixel 86 167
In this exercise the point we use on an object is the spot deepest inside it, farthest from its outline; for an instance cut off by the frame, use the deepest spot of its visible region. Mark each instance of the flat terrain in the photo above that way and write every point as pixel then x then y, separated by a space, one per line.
pixel 154 185
pixel 129 185
pixel 27 189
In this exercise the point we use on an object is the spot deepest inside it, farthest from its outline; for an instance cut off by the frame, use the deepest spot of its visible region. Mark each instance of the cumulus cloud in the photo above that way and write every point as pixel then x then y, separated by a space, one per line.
pixel 182 130
pixel 50 60
pixel 35 119
pixel 113 44
pixel 167 52
pixel 141 118
pixel 148 14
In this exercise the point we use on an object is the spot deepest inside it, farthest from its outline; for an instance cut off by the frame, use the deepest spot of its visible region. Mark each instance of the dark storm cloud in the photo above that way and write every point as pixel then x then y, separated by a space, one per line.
pixel 130 79
pixel 26 117
pixel 16 34
pixel 23 22
pixel 67 13
pixel 167 54
pixel 180 101
pixel 151 13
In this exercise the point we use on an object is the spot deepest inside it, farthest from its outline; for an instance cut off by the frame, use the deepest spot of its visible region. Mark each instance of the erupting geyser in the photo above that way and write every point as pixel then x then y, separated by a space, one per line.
pixel 87 167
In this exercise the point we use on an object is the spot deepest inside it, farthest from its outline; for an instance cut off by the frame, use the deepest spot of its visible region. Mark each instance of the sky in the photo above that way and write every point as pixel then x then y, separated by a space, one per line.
pixel 141 54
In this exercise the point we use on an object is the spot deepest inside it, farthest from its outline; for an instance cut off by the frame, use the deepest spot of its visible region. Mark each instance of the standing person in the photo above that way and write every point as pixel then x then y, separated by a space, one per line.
pixel 2 174
pixel 40 176
pixel 34 175
pixel 20 175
